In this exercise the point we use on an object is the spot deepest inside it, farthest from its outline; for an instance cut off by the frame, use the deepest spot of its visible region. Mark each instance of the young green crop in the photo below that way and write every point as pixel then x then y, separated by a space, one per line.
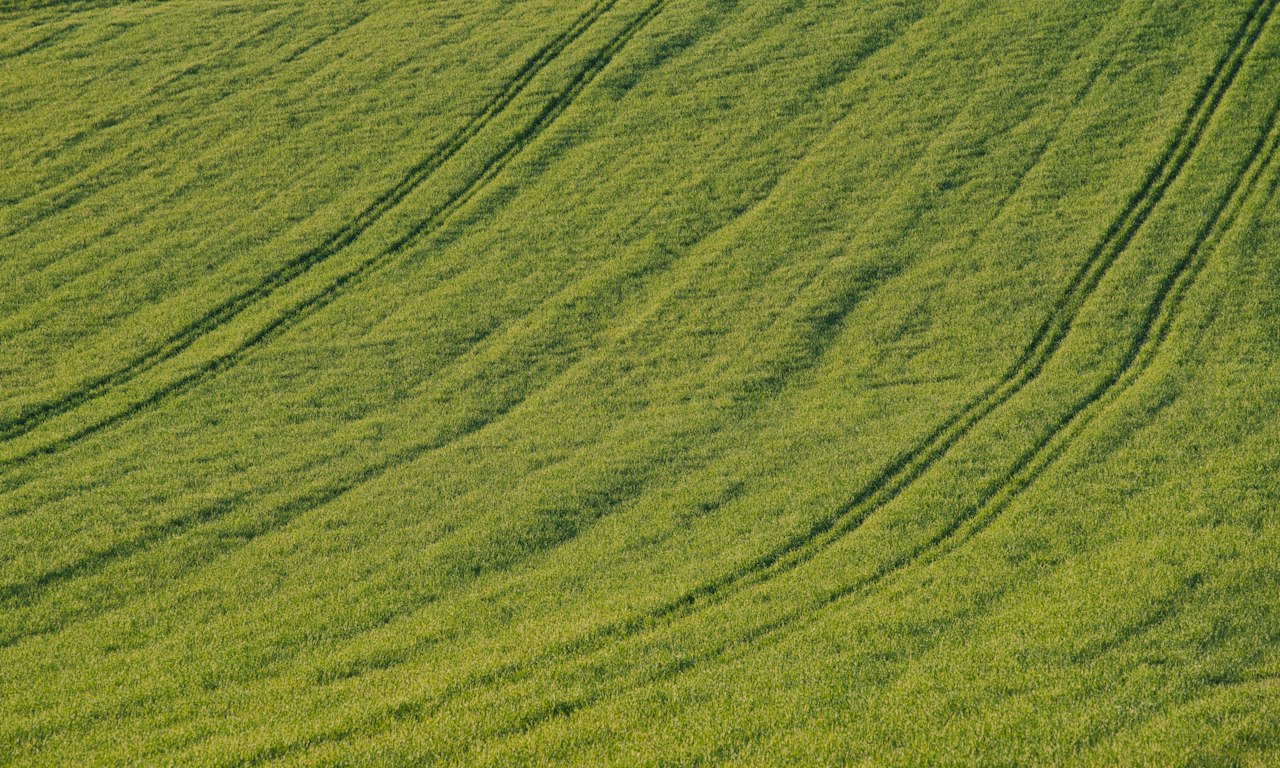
pixel 662 382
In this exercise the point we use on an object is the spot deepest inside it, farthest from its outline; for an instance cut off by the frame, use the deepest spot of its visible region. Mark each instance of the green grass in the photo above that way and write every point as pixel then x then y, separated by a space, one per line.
pixel 660 382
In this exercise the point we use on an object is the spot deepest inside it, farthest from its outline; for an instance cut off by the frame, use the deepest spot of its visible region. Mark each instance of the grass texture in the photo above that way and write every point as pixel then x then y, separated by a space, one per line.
pixel 639 382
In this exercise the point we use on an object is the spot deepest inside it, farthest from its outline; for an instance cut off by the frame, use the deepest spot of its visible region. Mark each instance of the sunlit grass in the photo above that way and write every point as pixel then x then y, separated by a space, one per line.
pixel 639 382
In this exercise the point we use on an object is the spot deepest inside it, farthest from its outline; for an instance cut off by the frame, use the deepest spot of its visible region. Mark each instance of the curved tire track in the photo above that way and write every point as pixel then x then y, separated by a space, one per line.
pixel 308 306
pixel 892 481
pixel 225 312
pixel 154 534
pixel 1154 330
pixel 904 470
pixel 1146 345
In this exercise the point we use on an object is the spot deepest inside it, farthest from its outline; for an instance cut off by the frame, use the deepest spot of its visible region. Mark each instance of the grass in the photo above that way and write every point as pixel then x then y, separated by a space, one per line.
pixel 659 382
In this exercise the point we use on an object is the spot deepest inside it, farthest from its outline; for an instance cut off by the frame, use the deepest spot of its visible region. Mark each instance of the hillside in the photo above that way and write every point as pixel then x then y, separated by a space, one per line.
pixel 639 382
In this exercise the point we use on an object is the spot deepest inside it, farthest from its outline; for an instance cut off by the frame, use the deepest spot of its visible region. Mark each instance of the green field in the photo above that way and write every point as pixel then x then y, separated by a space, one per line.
pixel 639 382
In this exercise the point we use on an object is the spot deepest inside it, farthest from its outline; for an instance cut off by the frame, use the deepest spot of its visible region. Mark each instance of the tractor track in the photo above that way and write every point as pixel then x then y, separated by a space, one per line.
pixel 22 590
pixel 1154 330
pixel 901 473
pixel 906 469
pixel 225 312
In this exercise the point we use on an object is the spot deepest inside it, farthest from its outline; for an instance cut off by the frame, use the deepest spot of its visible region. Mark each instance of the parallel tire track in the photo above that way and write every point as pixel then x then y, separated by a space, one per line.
pixel 894 479
pixel 904 470
pixel 23 592
pixel 550 112
pixel 1146 345
pixel 548 115
pixel 907 468
pixel 223 313
pixel 1046 342
pixel 1153 331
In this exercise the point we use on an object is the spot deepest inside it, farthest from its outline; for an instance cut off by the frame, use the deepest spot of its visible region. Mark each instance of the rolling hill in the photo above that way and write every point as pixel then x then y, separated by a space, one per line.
pixel 639 382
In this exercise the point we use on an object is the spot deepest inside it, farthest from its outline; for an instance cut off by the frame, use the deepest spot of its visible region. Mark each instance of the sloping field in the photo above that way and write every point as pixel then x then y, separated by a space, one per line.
pixel 639 382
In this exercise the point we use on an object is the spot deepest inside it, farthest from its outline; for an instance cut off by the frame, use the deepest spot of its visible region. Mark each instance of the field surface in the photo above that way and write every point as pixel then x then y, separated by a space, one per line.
pixel 639 382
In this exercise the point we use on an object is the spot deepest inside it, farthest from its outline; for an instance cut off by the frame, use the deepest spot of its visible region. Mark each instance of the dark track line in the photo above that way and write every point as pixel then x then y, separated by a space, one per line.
pixel 614 632
pixel 1118 237
pixel 1138 219
pixel 149 538
pixel 25 591
pixel 1144 351
pixel 319 300
pixel 906 469
pixel 334 243
pixel 1153 331
pixel 550 112
pixel 307 47
pixel 1146 346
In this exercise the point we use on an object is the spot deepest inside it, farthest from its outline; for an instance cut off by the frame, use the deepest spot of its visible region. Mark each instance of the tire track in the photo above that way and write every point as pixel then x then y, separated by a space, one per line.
pixel 308 306
pixel 1153 331
pixel 293 269
pixel 904 470
pixel 651 620
pixel 550 112
pixel 24 591
pixel 892 481
pixel 1143 350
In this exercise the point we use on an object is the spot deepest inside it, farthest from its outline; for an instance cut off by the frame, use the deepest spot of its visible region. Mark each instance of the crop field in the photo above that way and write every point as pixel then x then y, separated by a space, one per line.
pixel 639 382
